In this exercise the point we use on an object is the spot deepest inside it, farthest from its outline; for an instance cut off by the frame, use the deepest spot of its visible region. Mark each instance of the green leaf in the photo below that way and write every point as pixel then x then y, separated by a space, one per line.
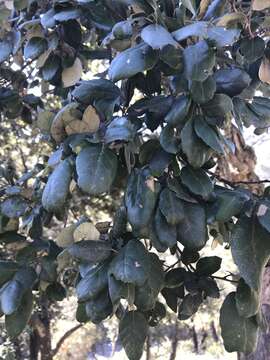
pixel 17 321
pixel 81 315
pixel 207 134
pixel 131 265
pixel 140 198
pixel 230 203
pixel 67 14
pixel 35 47
pixel 247 300
pixel 146 295
pixel 57 188
pixel 10 296
pixel 179 111
pixel 117 290
pixel 189 306
pixel 172 56
pixel 208 265
pixel 231 81
pixel 252 49
pixel 99 308
pixel 170 139
pixel 198 28
pixel 195 149
pixel 14 207
pixel 203 91
pixel 96 167
pixel 157 37
pixel 93 282
pixel 250 250
pixel 199 60
pixel 171 206
pixel 120 129
pixel 220 105
pixel 132 61
pixel 192 232
pixel 90 250
pixel 164 232
pixel 51 66
pixel 133 330
pixel 7 270
pixel 238 333
pixel 197 181
pixel 175 278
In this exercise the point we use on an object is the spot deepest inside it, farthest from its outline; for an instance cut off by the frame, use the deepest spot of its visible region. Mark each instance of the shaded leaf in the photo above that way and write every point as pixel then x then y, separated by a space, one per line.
pixel 246 299
pixel 91 250
pixel 208 265
pixel 189 306
pixel 171 206
pixel 197 181
pixel 207 134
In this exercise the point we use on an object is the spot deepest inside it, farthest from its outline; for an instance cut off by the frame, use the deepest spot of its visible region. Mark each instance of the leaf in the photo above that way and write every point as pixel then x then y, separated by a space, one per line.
pixel 197 181
pixel 146 295
pixel 132 61
pixel 223 37
pixel 196 151
pixel 172 56
pixel 72 74
pixel 199 60
pixel 175 278
pixel 252 49
pixel 65 237
pixel 90 250
pixel 164 232
pixel 17 321
pixel 231 81
pixel 99 308
pixel 230 203
pixel 131 265
pixel 95 280
pixel 231 19
pixel 120 129
pixel 157 37
pixel 7 270
pixel 208 265
pixel 250 250
pixel 86 231
pixel 259 5
pixel 67 114
pixel 203 91
pixel 89 123
pixel 7 44
pixel 170 140
pixel 220 105
pixel 246 299
pixel 117 290
pixel 57 188
pixel 67 14
pixel 51 67
pixel 96 167
pixel 207 134
pixel 35 47
pixel 133 330
pixel 140 197
pixel 171 206
pixel 190 5
pixel 14 207
pixel 238 333
pixel 189 306
pixel 192 232
pixel 263 216
pixel 10 296
pixel 179 111
pixel 44 121
pixel 198 28
pixel 264 71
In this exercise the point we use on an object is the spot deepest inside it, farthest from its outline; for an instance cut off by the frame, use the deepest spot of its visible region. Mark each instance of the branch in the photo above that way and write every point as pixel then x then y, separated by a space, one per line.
pixel 234 183
pixel 64 337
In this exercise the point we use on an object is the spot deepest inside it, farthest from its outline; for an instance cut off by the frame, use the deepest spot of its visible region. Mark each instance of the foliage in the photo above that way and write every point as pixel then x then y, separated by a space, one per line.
pixel 150 125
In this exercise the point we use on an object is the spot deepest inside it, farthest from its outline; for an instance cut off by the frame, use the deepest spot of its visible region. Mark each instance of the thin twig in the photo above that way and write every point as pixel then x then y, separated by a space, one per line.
pixel 64 337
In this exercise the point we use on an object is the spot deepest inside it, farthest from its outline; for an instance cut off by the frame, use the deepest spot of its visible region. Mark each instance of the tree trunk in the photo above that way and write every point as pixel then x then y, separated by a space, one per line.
pixel 40 338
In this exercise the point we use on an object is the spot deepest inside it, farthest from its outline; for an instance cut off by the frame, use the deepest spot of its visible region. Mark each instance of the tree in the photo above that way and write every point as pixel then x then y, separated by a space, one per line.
pixel 176 77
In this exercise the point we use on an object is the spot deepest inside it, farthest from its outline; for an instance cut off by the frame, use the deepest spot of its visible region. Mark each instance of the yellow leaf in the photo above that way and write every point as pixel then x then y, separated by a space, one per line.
pixel 64 260
pixel 86 231
pixel 259 5
pixel 71 75
pixel 264 71
pixel 203 7
pixel 231 19
pixel 42 58
pixel 89 123
pixel 44 121
pixel 64 116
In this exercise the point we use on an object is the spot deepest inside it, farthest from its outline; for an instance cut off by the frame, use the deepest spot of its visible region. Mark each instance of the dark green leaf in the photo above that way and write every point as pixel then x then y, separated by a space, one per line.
pixel 10 296
pixel 165 232
pixel 7 270
pixel 132 61
pixel 120 129
pixel 96 167
pixel 199 60
pixel 157 37
pixel 247 300
pixel 131 265
pixel 207 134
pixel 117 290
pixel 133 330
pixel 230 203
pixel 35 47
pixel 170 140
pixel 238 333
pixel 90 250
pixel 57 188
pixel 231 81
pixel 67 14
pixel 220 105
pixel 208 265
pixel 99 308
pixel 171 206
pixel 252 49
pixel 14 207
pixel 17 321
pixel 179 111
pixel 175 277
pixel 172 56
pixel 197 181
pixel 203 91
pixel 250 250
pixel 189 306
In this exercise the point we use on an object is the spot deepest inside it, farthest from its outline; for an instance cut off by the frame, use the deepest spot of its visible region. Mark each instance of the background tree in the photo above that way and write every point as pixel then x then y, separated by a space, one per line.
pixel 151 130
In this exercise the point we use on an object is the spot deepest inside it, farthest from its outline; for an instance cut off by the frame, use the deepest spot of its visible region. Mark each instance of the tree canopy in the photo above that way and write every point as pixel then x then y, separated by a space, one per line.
pixel 148 125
